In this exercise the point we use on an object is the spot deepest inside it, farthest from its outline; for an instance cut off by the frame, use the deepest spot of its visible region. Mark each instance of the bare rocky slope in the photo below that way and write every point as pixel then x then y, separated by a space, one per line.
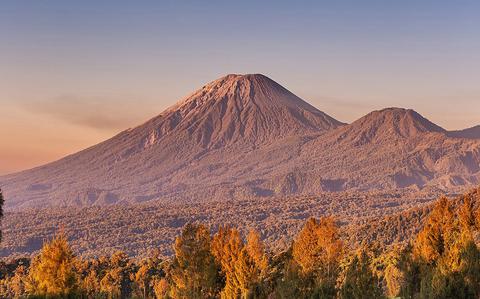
pixel 245 136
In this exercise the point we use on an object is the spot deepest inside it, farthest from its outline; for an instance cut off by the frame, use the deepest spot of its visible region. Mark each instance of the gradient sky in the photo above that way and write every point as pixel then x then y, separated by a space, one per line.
pixel 73 73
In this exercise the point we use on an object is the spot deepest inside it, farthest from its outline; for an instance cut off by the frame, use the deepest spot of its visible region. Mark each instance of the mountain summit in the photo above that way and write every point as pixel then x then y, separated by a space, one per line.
pixel 246 136
pixel 389 124
pixel 239 108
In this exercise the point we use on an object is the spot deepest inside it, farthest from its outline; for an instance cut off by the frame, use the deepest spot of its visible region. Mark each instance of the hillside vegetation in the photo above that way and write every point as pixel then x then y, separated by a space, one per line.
pixel 140 229
pixel 441 261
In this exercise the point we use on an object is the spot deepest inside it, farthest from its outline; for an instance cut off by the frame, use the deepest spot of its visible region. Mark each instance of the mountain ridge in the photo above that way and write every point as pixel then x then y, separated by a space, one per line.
pixel 247 136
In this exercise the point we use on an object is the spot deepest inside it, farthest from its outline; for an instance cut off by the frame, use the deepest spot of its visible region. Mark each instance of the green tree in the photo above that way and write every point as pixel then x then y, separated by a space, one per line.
pixel 360 282
pixel 290 284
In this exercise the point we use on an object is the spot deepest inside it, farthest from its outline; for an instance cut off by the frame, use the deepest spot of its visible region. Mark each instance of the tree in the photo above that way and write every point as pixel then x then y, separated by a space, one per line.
pixel 257 251
pixel 242 264
pixel 1 210
pixel 360 282
pixel 194 272
pixel 143 278
pixel 111 283
pixel 394 279
pixel 445 260
pixel 91 285
pixel 161 288
pixel 290 284
pixel 53 273
pixel 436 235
pixel 470 268
pixel 226 247
pixel 466 213
pixel 116 281
pixel 318 250
pixel 17 282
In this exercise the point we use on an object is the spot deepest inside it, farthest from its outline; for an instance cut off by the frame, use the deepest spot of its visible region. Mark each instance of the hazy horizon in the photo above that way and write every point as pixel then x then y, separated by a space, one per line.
pixel 76 74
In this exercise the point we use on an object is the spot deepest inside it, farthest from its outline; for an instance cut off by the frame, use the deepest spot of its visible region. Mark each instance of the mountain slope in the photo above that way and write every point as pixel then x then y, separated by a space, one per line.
pixel 245 136
pixel 395 148
pixel 204 136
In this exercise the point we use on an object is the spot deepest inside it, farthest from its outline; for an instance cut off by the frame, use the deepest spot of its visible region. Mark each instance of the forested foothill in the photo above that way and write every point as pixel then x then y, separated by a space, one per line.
pixel 441 261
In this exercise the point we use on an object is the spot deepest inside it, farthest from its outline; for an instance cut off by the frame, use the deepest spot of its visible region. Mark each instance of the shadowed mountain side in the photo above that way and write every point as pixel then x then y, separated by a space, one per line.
pixel 470 133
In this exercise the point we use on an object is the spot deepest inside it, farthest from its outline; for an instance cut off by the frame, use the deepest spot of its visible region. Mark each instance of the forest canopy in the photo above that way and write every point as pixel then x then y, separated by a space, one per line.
pixel 442 261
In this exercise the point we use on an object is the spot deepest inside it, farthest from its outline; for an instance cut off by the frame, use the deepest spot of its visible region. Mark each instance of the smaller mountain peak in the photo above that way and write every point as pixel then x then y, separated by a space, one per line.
pixel 390 123
pixel 408 120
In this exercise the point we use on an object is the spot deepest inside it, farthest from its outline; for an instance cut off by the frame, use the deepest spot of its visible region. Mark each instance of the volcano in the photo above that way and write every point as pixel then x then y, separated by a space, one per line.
pixel 200 140
pixel 245 136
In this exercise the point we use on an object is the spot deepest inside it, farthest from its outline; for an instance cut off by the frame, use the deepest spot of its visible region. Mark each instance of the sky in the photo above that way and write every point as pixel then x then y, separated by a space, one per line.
pixel 74 73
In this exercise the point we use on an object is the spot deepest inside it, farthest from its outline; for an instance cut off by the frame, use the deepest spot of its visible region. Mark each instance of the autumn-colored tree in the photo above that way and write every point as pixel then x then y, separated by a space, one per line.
pixel 242 264
pixel 445 256
pixel 466 214
pixel 394 279
pixel 91 285
pixel 111 283
pixel 149 270
pixel 226 247
pixel 161 288
pixel 116 282
pixel 436 235
pixel 91 272
pixel 257 251
pixel 52 273
pixel 318 251
pixel 256 256
pixel 17 282
pixel 194 272
pixel 360 282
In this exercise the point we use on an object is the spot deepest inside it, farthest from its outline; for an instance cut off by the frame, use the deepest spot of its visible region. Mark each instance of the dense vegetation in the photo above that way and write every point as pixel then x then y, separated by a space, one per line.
pixel 386 216
pixel 442 261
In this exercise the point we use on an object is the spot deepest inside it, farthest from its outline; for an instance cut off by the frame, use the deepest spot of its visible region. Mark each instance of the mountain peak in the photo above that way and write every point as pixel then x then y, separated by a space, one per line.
pixel 389 123
pixel 251 109
pixel 242 85
pixel 405 121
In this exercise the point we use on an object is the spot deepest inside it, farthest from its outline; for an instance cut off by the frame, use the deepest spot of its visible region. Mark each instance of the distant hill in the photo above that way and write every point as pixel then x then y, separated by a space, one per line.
pixel 245 136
